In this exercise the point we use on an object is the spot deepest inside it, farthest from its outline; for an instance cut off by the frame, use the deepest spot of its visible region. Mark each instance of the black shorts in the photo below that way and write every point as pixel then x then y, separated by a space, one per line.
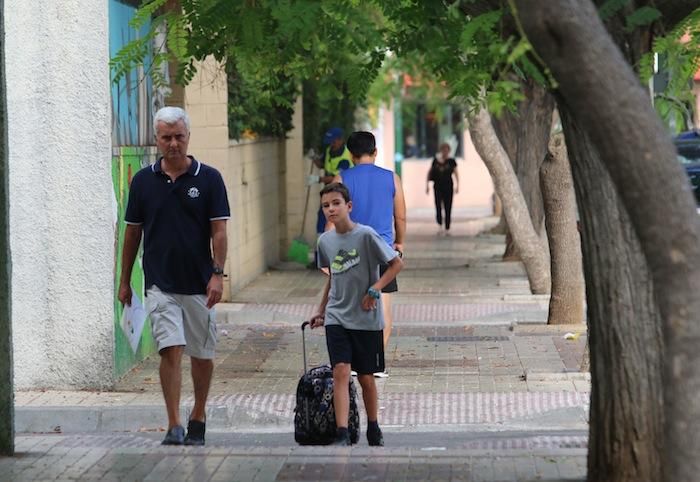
pixel 393 286
pixel 362 349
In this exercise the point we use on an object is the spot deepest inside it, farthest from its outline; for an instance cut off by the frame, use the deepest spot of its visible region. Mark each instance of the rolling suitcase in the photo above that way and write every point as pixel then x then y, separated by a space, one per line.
pixel 314 417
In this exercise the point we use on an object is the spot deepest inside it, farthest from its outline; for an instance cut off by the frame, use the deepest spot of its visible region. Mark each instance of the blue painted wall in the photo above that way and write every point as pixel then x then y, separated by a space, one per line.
pixel 132 105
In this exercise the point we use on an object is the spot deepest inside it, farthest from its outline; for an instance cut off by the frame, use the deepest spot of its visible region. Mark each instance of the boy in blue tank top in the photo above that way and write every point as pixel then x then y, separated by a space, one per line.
pixel 350 307
pixel 378 201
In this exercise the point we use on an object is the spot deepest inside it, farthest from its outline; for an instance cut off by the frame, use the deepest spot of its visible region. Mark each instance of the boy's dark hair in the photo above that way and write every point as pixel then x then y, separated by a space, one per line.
pixel 361 143
pixel 338 187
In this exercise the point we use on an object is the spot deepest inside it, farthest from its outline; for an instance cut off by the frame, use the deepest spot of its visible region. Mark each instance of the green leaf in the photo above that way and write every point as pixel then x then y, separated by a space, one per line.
pixel 144 13
pixel 522 48
pixel 482 23
pixel 533 71
pixel 610 8
pixel 641 17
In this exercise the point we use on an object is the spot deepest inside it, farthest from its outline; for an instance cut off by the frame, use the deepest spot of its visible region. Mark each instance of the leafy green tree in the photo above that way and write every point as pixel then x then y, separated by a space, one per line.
pixel 636 215
pixel 625 329
pixel 270 47
pixel 677 53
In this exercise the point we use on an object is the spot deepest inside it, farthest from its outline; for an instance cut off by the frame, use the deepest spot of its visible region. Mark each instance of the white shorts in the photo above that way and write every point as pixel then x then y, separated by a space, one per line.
pixel 178 320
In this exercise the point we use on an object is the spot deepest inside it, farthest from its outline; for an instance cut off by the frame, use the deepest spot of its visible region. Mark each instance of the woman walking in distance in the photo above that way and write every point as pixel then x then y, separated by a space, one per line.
pixel 441 172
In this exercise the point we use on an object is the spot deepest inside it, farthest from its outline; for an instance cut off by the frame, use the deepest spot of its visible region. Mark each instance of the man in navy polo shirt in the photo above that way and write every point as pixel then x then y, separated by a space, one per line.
pixel 180 206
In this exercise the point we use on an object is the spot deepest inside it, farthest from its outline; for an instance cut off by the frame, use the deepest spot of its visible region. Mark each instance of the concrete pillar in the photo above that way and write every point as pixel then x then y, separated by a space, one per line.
pixel 7 411
pixel 62 205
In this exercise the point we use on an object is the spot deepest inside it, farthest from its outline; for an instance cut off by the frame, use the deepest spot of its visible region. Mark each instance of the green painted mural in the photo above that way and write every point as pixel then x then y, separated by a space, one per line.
pixel 132 329
pixel 134 99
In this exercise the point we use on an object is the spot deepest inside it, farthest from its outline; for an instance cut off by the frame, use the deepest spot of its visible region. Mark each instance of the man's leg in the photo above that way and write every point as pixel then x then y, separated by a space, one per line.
pixel 341 394
pixel 388 319
pixel 171 382
pixel 202 370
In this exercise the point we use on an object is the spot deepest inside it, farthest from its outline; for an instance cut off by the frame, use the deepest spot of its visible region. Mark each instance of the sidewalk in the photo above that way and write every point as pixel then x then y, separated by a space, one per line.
pixel 470 356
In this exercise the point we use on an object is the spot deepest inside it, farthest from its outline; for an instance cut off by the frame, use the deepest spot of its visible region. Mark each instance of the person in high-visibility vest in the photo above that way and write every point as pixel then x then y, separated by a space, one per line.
pixel 335 159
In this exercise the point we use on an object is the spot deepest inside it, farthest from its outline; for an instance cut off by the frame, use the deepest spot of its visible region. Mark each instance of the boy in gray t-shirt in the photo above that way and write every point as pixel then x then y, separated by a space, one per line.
pixel 350 307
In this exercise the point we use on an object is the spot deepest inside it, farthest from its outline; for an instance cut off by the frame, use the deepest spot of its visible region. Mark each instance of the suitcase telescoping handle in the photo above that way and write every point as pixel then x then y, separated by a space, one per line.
pixel 307 414
pixel 303 341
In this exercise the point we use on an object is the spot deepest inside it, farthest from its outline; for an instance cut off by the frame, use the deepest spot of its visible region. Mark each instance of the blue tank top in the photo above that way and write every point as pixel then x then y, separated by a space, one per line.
pixel 372 193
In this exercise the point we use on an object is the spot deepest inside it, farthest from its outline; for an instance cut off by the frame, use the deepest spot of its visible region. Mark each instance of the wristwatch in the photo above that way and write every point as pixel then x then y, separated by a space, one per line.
pixel 374 293
pixel 218 271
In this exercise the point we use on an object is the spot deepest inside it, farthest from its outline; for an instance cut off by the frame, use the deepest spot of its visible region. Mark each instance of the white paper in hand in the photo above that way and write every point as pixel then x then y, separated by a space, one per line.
pixel 133 319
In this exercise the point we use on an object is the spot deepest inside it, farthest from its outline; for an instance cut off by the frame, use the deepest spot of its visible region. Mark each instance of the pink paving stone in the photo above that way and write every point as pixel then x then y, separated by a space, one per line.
pixel 409 312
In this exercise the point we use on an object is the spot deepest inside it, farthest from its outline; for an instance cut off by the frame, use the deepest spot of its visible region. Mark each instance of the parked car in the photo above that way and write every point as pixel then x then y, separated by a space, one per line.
pixel 688 148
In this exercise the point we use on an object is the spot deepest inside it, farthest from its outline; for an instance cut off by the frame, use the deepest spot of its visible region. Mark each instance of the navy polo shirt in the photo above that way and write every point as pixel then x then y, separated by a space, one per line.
pixel 176 218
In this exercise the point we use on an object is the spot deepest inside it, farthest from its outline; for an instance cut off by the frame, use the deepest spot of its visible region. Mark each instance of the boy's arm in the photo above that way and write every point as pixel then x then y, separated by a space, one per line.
pixel 395 265
pixel 319 317
pixel 399 214
pixel 368 301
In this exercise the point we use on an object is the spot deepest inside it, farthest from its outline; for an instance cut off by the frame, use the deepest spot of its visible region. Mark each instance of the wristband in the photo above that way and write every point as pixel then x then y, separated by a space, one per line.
pixel 374 293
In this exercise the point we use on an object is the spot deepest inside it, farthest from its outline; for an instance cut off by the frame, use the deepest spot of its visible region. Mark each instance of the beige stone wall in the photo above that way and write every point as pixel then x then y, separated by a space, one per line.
pixel 293 190
pixel 254 174
pixel 253 178
pixel 205 100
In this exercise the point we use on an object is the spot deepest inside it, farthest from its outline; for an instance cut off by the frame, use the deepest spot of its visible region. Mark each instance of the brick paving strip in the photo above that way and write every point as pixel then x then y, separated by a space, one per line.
pixel 424 312
pixel 467 411
pixel 130 457
pixel 416 409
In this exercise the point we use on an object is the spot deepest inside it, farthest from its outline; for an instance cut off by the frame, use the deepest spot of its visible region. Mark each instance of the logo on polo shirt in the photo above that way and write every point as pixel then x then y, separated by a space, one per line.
pixel 193 192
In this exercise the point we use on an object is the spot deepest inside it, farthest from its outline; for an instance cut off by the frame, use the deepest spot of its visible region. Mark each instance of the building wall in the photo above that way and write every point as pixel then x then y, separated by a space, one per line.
pixel 62 210
pixel 206 100
pixel 263 179
pixel 294 194
pixel 253 180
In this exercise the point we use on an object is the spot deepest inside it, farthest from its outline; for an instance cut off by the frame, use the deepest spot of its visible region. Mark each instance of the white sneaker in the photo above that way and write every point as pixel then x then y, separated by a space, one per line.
pixel 383 374
pixel 353 373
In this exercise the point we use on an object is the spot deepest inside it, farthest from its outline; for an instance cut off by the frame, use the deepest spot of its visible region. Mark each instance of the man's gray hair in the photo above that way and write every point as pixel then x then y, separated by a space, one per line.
pixel 171 115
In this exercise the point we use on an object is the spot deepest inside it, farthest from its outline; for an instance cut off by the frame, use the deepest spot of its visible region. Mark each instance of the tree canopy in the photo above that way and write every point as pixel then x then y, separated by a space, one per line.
pixel 474 49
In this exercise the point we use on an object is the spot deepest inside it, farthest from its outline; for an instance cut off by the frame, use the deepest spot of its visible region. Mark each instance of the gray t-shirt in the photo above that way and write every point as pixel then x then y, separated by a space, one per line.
pixel 353 258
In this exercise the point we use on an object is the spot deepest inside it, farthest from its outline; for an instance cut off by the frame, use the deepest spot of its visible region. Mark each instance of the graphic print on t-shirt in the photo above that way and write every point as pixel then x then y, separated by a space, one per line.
pixel 344 260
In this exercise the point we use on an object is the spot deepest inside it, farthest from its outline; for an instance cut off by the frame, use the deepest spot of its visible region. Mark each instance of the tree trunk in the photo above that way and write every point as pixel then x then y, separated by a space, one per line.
pixel 524 135
pixel 501 227
pixel 7 415
pixel 606 99
pixel 566 302
pixel 624 328
pixel 507 187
